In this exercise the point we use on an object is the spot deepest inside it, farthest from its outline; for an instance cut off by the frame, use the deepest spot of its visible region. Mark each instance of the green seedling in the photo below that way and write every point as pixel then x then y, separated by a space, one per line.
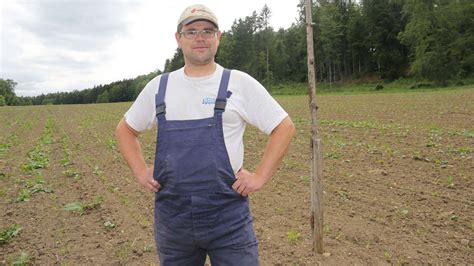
pixel 124 200
pixel 431 144
pixel 39 179
pixel 343 195
pixel 37 185
pixel 97 171
pixel 36 160
pixel 83 208
pixel 373 149
pixel 23 260
pixel 327 228
pixel 8 233
pixel 300 120
pixel 4 147
pixel 464 151
pixel 305 178
pixel 449 181
pixel 24 195
pixel 434 138
pixel 390 152
pixel 332 155
pixel 147 248
pixel 66 160
pixel 340 143
pixel 293 236
pixel 75 207
pixel 38 188
pixel 109 225
pixel 72 173
pixel 29 183
pixel 111 142
pixel 33 186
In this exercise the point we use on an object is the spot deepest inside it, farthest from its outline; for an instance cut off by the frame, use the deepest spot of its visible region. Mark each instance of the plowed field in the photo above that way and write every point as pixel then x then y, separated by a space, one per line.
pixel 398 184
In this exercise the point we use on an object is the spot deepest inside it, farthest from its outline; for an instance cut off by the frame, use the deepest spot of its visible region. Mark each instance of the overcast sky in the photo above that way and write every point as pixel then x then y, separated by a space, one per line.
pixel 64 45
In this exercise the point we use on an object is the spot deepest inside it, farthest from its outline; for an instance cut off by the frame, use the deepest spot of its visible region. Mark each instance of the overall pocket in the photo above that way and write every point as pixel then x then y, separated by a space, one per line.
pixel 195 166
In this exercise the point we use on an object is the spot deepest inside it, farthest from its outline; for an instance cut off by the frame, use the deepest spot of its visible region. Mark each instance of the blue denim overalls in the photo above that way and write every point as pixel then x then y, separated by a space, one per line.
pixel 196 211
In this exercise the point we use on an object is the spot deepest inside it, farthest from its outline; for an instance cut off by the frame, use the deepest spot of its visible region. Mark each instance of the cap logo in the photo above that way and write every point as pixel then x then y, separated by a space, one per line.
pixel 194 13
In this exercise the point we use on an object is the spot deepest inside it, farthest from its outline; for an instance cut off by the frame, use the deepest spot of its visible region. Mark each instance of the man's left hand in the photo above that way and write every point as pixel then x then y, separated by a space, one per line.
pixel 247 182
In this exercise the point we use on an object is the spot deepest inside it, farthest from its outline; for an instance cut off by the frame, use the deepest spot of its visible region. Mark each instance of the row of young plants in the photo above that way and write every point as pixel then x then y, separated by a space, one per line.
pixel 101 144
pixel 32 181
pixel 36 160
pixel 103 138
pixel 6 234
pixel 14 126
pixel 72 171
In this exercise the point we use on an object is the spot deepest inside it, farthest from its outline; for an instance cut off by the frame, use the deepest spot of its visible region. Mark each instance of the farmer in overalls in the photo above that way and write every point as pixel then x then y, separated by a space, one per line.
pixel 200 184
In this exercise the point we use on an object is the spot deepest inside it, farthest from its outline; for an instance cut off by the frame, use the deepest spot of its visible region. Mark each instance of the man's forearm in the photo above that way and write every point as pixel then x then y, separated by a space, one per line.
pixel 130 148
pixel 277 147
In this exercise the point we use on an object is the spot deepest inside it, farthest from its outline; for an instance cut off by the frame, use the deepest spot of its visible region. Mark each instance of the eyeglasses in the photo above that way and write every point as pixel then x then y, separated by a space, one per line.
pixel 192 34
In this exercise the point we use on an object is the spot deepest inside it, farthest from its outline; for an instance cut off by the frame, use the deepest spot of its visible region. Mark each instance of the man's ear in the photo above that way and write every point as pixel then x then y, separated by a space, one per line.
pixel 177 36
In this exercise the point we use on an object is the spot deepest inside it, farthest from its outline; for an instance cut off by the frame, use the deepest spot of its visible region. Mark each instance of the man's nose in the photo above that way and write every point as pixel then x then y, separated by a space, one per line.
pixel 199 35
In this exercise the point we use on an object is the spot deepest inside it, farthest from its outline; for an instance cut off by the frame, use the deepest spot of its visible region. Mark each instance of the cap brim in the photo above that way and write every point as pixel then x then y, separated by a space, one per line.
pixel 193 19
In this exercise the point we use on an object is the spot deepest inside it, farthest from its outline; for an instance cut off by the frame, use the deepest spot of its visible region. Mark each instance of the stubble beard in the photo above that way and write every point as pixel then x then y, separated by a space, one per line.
pixel 200 59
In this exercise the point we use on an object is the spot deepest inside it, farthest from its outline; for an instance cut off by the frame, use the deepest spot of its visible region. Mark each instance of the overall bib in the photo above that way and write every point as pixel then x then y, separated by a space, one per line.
pixel 197 213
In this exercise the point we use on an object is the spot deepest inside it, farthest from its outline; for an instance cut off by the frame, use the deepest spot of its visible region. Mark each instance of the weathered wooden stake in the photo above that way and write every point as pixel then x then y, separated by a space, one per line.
pixel 316 152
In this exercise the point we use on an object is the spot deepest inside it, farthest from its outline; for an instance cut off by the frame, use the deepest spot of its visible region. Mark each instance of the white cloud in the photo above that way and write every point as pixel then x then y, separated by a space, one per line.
pixel 58 45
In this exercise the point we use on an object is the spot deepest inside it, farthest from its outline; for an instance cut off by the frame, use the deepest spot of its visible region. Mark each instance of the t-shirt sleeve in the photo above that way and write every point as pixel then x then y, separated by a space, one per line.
pixel 260 108
pixel 141 115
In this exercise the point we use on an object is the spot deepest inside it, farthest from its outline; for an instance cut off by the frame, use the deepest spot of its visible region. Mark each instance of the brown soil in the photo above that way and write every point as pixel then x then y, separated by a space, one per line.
pixel 397 181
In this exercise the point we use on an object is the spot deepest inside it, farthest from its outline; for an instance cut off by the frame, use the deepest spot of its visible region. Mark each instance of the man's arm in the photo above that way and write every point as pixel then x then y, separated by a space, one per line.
pixel 130 148
pixel 277 147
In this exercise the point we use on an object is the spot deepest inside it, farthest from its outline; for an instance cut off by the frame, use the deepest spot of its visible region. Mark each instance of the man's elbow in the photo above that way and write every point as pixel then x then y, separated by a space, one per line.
pixel 123 129
pixel 291 127
pixel 287 128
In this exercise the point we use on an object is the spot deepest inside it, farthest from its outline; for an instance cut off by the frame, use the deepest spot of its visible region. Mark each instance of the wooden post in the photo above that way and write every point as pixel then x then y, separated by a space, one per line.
pixel 316 144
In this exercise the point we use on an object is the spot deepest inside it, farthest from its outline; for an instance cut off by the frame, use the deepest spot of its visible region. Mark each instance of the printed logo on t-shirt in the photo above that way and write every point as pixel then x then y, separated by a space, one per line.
pixel 208 100
pixel 212 100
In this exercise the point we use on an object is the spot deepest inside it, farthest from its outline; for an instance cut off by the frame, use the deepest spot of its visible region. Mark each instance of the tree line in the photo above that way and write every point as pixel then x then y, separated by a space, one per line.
pixel 431 39
pixel 387 39
pixel 118 91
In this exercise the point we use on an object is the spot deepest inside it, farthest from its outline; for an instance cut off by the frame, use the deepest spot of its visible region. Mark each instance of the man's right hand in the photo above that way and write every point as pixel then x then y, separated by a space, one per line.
pixel 145 178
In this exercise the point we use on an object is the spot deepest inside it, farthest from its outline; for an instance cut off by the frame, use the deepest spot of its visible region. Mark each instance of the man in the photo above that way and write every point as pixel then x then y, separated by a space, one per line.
pixel 200 185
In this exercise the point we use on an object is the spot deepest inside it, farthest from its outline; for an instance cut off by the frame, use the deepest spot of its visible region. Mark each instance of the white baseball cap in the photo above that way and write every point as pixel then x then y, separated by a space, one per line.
pixel 197 12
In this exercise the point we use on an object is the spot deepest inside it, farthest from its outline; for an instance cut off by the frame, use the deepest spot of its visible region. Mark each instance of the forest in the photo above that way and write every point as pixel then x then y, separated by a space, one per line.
pixel 382 40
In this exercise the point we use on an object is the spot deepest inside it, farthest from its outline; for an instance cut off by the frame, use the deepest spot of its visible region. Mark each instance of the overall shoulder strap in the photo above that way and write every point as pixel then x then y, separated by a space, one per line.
pixel 221 100
pixel 160 96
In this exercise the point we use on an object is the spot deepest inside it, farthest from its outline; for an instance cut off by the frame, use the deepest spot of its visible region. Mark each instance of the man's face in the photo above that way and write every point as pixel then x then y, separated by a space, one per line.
pixel 198 50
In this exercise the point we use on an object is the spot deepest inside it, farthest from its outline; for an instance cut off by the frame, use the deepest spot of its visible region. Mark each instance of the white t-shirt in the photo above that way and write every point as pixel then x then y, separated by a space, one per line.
pixel 189 98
